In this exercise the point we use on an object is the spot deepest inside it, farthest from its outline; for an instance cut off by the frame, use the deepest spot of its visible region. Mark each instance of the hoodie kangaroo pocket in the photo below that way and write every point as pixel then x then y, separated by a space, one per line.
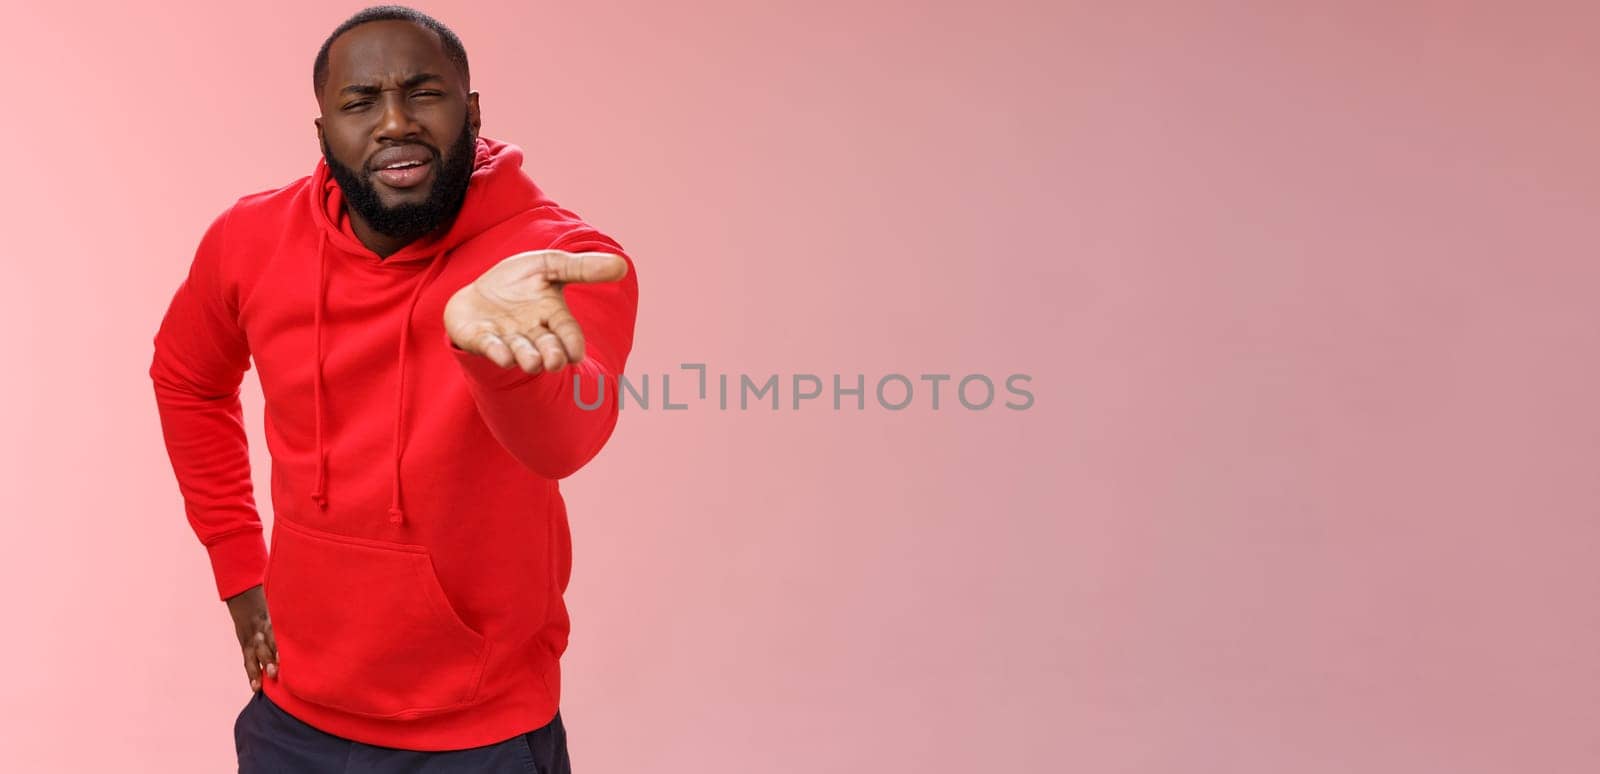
pixel 364 626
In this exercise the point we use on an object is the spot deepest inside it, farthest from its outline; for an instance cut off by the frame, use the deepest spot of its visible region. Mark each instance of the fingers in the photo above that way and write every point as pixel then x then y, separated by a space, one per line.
pixel 543 336
pixel 252 667
pixel 490 345
pixel 537 349
pixel 566 329
pixel 269 647
pixel 555 358
pixel 528 357
pixel 263 653
pixel 562 266
pixel 260 659
pixel 257 644
pixel 530 351
pixel 272 645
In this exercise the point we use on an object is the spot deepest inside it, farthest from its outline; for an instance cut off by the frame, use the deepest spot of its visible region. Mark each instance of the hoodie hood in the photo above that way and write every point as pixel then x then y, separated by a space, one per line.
pixel 497 191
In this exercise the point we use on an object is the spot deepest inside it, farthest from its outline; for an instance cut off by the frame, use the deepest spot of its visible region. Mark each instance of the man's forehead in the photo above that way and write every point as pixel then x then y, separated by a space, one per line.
pixel 386 50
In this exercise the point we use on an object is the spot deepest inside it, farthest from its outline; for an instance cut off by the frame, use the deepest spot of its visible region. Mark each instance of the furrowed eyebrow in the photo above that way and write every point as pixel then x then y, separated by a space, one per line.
pixel 367 88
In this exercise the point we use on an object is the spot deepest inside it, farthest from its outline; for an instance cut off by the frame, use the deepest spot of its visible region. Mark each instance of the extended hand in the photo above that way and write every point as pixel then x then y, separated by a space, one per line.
pixel 515 312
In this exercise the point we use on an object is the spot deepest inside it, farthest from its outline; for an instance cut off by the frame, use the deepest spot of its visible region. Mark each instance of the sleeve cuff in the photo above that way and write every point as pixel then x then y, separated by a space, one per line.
pixel 239 562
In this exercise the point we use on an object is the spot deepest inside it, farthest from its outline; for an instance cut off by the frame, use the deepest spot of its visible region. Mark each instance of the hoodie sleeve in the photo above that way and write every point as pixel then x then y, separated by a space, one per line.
pixel 200 359
pixel 536 416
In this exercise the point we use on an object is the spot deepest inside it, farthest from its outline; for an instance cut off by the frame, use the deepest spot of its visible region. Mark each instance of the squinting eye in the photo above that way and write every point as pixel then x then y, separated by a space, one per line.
pixel 354 105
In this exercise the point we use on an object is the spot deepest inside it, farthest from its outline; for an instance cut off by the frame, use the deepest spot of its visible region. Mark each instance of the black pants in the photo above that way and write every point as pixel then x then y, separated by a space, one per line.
pixel 271 741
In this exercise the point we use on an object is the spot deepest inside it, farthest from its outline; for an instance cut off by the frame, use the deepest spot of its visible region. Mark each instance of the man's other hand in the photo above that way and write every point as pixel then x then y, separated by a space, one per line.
pixel 254 627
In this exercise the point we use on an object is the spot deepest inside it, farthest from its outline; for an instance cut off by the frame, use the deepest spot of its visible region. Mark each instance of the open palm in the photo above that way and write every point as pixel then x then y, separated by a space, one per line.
pixel 515 313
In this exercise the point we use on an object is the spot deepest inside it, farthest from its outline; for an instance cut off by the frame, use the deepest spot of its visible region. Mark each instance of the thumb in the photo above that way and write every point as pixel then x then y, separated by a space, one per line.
pixel 562 266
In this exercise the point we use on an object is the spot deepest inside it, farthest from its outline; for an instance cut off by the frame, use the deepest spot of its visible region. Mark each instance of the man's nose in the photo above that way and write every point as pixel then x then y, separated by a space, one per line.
pixel 396 121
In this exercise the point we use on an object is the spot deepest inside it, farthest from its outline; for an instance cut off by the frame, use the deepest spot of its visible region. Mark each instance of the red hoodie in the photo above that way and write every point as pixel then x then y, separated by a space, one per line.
pixel 421 547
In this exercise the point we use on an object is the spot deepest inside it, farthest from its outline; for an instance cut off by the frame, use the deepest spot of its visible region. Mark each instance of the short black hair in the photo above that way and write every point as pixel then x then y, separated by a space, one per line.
pixel 452 44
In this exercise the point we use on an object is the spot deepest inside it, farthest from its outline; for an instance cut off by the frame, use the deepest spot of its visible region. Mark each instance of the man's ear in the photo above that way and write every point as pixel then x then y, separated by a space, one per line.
pixel 473 113
pixel 318 122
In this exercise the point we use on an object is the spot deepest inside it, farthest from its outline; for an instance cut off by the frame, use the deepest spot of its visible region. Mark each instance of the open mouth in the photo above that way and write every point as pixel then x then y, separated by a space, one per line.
pixel 403 174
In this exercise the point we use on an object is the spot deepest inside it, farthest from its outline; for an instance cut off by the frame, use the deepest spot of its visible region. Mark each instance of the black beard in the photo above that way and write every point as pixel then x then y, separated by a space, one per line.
pixel 411 221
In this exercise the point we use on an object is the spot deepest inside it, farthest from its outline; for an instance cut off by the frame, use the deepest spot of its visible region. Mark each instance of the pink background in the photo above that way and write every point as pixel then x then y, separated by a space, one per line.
pixel 1307 295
